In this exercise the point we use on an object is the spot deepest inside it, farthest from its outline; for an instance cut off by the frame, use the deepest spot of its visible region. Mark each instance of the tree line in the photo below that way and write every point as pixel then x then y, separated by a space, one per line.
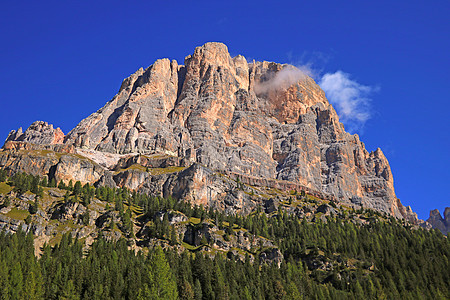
pixel 382 259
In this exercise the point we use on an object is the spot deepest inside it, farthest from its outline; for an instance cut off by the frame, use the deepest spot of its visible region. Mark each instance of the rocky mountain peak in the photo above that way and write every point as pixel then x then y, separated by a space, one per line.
pixel 439 222
pixel 447 214
pixel 209 55
pixel 260 121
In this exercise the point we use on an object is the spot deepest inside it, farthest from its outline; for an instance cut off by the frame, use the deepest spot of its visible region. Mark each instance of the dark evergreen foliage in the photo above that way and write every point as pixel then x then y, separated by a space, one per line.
pixel 407 265
pixel 382 259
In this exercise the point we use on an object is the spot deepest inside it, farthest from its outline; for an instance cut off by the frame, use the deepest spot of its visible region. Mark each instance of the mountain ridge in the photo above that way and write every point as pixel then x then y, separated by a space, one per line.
pixel 258 119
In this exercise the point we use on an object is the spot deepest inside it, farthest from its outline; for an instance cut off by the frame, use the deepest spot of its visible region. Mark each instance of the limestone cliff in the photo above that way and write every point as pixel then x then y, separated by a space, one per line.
pixel 439 222
pixel 259 121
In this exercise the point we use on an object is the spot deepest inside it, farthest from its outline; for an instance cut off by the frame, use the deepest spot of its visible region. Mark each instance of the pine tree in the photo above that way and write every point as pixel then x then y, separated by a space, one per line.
pixel 163 283
pixel 69 291
pixel 5 286
pixel 3 175
pixel 44 181
pixel 173 236
pixel 16 279
pixel 6 202
pixel 61 185
pixel 358 291
pixel 52 183
pixel 186 291
pixel 76 188
pixel 33 287
pixel 198 290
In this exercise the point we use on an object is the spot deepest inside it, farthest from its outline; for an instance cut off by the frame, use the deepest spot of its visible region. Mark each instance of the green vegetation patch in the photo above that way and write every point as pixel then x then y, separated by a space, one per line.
pixel 137 210
pixel 168 170
pixel 64 227
pixel 136 167
pixel 194 221
pixel 5 188
pixel 18 214
pixel 190 247
pixel 45 152
pixel 42 152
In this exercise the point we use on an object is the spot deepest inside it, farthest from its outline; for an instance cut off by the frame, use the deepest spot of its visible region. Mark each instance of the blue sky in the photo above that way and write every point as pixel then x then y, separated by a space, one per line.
pixel 62 60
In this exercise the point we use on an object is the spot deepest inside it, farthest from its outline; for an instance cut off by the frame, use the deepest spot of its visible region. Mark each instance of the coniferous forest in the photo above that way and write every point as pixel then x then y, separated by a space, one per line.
pixel 382 259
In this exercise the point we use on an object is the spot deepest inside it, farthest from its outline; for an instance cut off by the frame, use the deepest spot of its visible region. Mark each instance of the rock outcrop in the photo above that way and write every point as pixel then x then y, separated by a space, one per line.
pixel 439 222
pixel 61 166
pixel 39 132
pixel 260 119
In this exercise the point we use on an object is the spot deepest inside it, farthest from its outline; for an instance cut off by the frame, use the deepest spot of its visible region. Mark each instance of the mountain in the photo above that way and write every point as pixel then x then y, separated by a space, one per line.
pixel 192 130
pixel 216 179
pixel 436 220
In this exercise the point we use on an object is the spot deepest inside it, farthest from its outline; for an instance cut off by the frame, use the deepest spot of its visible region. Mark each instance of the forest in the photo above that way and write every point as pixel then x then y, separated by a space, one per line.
pixel 384 258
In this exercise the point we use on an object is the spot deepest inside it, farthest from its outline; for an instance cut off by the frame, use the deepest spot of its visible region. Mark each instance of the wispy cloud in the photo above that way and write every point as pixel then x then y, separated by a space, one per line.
pixel 350 98
pixel 283 79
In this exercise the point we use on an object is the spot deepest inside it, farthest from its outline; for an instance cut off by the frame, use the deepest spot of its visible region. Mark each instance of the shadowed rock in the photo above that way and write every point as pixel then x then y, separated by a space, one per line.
pixel 438 222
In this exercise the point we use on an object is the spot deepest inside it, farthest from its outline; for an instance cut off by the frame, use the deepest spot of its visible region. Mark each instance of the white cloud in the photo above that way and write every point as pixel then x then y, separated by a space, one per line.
pixel 282 79
pixel 349 98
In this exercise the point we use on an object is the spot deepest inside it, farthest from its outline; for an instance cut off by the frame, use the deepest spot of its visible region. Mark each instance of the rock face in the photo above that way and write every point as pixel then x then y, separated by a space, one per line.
pixel 61 166
pixel 436 220
pixel 39 132
pixel 258 119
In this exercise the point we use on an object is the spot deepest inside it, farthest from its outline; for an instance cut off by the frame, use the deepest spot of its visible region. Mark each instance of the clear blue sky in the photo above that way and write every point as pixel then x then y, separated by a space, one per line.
pixel 62 60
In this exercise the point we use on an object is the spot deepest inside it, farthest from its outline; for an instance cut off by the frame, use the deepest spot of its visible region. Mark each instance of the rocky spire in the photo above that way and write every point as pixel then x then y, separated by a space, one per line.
pixel 439 222
pixel 40 133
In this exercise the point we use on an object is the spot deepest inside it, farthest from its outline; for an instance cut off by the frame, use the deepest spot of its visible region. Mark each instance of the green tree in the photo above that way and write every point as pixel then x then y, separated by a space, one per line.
pixel 7 201
pixel 358 291
pixel 127 222
pixel 33 208
pixel 52 183
pixel 28 220
pixel 76 188
pixel 44 181
pixel 3 175
pixel 186 291
pixel 85 217
pixel 173 236
pixel 204 241
pixel 163 283
pixel 16 279
pixel 5 286
pixel 61 185
pixel 33 287
pixel 69 291
pixel 198 290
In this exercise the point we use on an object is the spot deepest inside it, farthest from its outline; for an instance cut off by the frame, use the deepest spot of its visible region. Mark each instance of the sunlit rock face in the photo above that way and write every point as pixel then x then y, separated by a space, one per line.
pixel 38 133
pixel 259 119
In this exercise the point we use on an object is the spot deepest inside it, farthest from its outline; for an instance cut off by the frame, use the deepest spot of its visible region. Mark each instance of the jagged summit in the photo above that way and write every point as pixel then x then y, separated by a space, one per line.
pixel 39 132
pixel 262 121
pixel 439 222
